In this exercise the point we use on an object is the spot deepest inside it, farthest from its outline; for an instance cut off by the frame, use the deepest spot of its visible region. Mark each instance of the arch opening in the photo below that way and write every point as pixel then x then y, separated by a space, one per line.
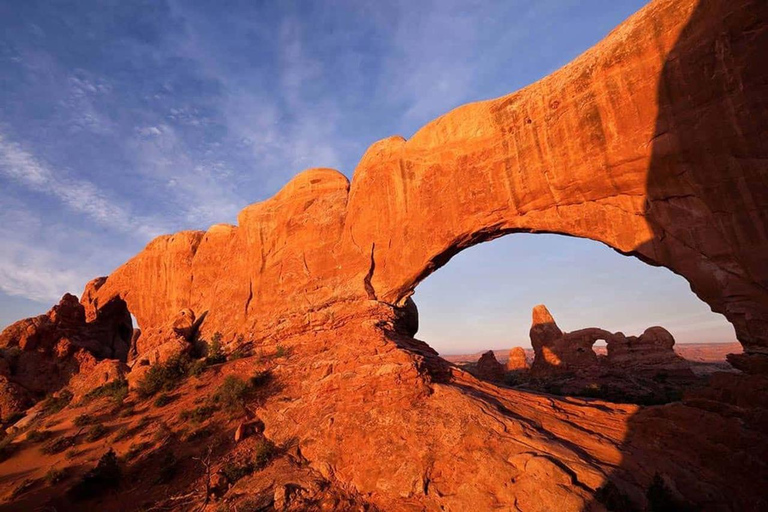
pixel 609 304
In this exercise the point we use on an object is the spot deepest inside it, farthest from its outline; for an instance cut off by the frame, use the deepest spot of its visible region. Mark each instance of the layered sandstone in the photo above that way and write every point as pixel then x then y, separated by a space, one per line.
pixel 611 148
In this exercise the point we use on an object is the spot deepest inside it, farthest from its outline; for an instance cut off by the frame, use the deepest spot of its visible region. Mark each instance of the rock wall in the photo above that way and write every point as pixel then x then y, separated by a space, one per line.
pixel 652 142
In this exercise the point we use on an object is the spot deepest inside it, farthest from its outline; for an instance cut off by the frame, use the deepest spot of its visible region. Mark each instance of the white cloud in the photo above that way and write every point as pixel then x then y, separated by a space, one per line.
pixel 80 196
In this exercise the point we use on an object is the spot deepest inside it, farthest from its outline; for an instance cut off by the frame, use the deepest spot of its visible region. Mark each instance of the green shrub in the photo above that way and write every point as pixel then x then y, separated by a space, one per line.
pixel 122 433
pixel 280 351
pixel 215 350
pixel 198 414
pixel 233 393
pixel 54 476
pixel 163 400
pixel 36 436
pixel 54 404
pixel 264 451
pixel 117 390
pixel 164 376
pixel 105 475
pixel 234 471
pixel 197 367
pixel 83 420
pixel 59 444
pixel 95 433
pixel 136 449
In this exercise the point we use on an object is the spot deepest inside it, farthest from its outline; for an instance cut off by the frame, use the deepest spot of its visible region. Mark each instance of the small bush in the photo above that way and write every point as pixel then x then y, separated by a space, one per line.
pixel 163 400
pixel 234 471
pixel 58 445
pixel 197 367
pixel 233 393
pixel 280 351
pixel 164 376
pixel 122 433
pixel 54 404
pixel 136 449
pixel 54 476
pixel 95 433
pixel 105 475
pixel 117 390
pixel 83 420
pixel 264 451
pixel 37 436
pixel 198 414
pixel 215 350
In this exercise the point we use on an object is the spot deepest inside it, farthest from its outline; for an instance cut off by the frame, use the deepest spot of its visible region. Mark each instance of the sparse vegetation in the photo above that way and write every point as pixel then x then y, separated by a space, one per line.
pixel 164 376
pixel 59 444
pixel 96 432
pixel 54 404
pixel 122 433
pixel 264 451
pixel 135 449
pixel 215 353
pixel 163 400
pixel 83 420
pixel 37 436
pixel 232 393
pixel 116 390
pixel 163 431
pixel 280 351
pixel 234 471
pixel 198 414
pixel 105 475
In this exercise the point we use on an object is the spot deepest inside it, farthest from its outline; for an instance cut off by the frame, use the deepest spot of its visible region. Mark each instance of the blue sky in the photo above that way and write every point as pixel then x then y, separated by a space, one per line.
pixel 121 120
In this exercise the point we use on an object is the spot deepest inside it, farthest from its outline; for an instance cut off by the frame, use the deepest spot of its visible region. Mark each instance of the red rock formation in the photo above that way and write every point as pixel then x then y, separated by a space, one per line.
pixel 594 150
pixel 517 360
pixel 488 368
pixel 41 354
pixel 558 352
pixel 608 148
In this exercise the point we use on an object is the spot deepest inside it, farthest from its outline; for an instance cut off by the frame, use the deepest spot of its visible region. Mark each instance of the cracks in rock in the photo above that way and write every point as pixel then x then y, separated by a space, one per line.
pixel 367 279
pixel 250 296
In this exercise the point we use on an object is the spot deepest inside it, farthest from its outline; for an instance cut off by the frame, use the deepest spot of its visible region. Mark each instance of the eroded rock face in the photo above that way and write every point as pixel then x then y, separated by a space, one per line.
pixel 41 354
pixel 517 360
pixel 489 368
pixel 562 352
pixel 594 150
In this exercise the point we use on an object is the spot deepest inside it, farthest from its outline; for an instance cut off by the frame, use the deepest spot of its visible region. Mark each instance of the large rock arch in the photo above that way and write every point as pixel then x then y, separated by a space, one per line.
pixel 653 142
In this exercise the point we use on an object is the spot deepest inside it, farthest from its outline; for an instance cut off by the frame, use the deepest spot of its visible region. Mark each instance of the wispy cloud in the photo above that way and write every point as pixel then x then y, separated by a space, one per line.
pixel 78 195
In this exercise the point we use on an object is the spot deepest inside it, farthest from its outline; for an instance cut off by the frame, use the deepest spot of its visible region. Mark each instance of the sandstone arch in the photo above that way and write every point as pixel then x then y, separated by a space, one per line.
pixel 624 146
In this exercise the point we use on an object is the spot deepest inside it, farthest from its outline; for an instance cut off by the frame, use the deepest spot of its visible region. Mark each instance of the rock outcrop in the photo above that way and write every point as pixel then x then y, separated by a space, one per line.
pixel 558 352
pixel 40 355
pixel 489 368
pixel 517 361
